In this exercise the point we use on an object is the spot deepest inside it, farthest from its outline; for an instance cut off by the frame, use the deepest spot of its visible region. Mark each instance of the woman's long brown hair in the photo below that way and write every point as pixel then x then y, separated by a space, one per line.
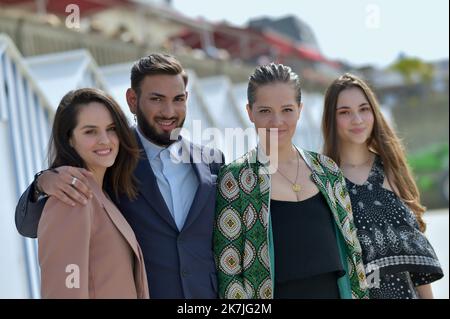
pixel 118 177
pixel 383 141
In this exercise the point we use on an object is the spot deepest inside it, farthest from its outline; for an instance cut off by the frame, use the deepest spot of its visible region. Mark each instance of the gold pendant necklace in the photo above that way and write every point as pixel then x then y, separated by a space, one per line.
pixel 295 187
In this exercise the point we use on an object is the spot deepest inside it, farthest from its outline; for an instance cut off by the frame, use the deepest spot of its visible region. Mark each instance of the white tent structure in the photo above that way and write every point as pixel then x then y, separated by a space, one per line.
pixel 308 134
pixel 25 117
pixel 58 73
pixel 227 113
pixel 239 92
pixel 117 79
pixel 198 116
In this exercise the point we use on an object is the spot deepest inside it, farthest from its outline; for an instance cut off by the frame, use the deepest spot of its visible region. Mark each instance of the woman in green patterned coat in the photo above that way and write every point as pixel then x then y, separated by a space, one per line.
pixel 284 226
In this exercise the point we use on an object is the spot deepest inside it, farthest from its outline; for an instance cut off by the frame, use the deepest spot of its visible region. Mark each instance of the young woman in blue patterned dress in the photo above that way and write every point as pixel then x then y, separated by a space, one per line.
pixel 400 262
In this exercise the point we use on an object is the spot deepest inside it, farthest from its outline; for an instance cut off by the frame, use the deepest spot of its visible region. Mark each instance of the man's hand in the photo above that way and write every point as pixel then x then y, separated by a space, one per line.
pixel 60 184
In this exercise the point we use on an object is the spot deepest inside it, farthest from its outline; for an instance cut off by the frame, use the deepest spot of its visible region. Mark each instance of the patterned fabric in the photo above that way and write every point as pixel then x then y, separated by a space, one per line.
pixel 391 240
pixel 243 243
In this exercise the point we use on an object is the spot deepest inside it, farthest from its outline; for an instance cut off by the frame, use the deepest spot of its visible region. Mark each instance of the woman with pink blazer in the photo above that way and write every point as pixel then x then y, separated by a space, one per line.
pixel 90 251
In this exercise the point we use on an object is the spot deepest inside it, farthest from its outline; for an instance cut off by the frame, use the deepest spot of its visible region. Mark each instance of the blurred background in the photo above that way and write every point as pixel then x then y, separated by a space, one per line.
pixel 49 47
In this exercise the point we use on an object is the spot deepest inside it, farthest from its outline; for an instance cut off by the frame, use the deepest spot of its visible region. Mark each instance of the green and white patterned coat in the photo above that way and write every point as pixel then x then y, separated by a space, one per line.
pixel 243 242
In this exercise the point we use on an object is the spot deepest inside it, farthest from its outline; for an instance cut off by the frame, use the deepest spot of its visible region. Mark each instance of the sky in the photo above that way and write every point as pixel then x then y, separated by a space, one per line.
pixel 360 32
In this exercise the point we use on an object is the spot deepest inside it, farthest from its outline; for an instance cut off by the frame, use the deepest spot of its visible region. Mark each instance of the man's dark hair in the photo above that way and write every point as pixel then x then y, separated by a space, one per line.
pixel 272 73
pixel 155 64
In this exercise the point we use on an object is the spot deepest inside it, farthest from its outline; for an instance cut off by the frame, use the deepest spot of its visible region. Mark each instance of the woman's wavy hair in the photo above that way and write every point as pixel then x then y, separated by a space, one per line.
pixel 383 141
pixel 119 177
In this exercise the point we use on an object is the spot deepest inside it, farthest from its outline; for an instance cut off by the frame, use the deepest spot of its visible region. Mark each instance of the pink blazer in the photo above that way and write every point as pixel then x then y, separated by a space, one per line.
pixel 89 251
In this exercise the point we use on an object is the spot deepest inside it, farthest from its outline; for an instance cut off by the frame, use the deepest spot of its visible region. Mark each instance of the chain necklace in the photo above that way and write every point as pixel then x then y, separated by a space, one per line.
pixel 358 165
pixel 295 187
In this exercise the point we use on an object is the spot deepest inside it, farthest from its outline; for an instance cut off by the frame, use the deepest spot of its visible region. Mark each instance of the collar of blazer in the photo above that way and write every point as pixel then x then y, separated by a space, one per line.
pixel 148 187
pixel 115 215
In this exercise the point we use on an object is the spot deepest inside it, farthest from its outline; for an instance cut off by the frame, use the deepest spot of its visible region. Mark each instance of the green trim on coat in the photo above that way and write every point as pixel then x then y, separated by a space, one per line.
pixel 243 239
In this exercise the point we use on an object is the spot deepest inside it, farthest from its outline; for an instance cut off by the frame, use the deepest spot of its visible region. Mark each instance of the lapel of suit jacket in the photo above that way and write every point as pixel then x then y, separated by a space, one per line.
pixel 205 187
pixel 122 226
pixel 117 218
pixel 148 187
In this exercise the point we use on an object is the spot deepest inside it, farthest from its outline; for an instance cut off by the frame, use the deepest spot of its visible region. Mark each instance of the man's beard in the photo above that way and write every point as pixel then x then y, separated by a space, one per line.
pixel 150 132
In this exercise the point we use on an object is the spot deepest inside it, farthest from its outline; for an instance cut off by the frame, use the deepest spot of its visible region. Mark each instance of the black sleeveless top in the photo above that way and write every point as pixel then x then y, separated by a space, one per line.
pixel 307 261
pixel 397 256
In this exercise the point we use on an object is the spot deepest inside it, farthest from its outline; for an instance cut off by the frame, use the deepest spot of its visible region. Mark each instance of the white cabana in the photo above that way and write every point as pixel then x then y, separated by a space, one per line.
pixel 117 79
pixel 231 121
pixel 58 73
pixel 25 117
pixel 198 115
pixel 308 134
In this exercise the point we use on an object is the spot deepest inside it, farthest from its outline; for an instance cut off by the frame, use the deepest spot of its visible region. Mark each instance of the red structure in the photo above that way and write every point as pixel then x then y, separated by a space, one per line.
pixel 58 7
pixel 251 44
